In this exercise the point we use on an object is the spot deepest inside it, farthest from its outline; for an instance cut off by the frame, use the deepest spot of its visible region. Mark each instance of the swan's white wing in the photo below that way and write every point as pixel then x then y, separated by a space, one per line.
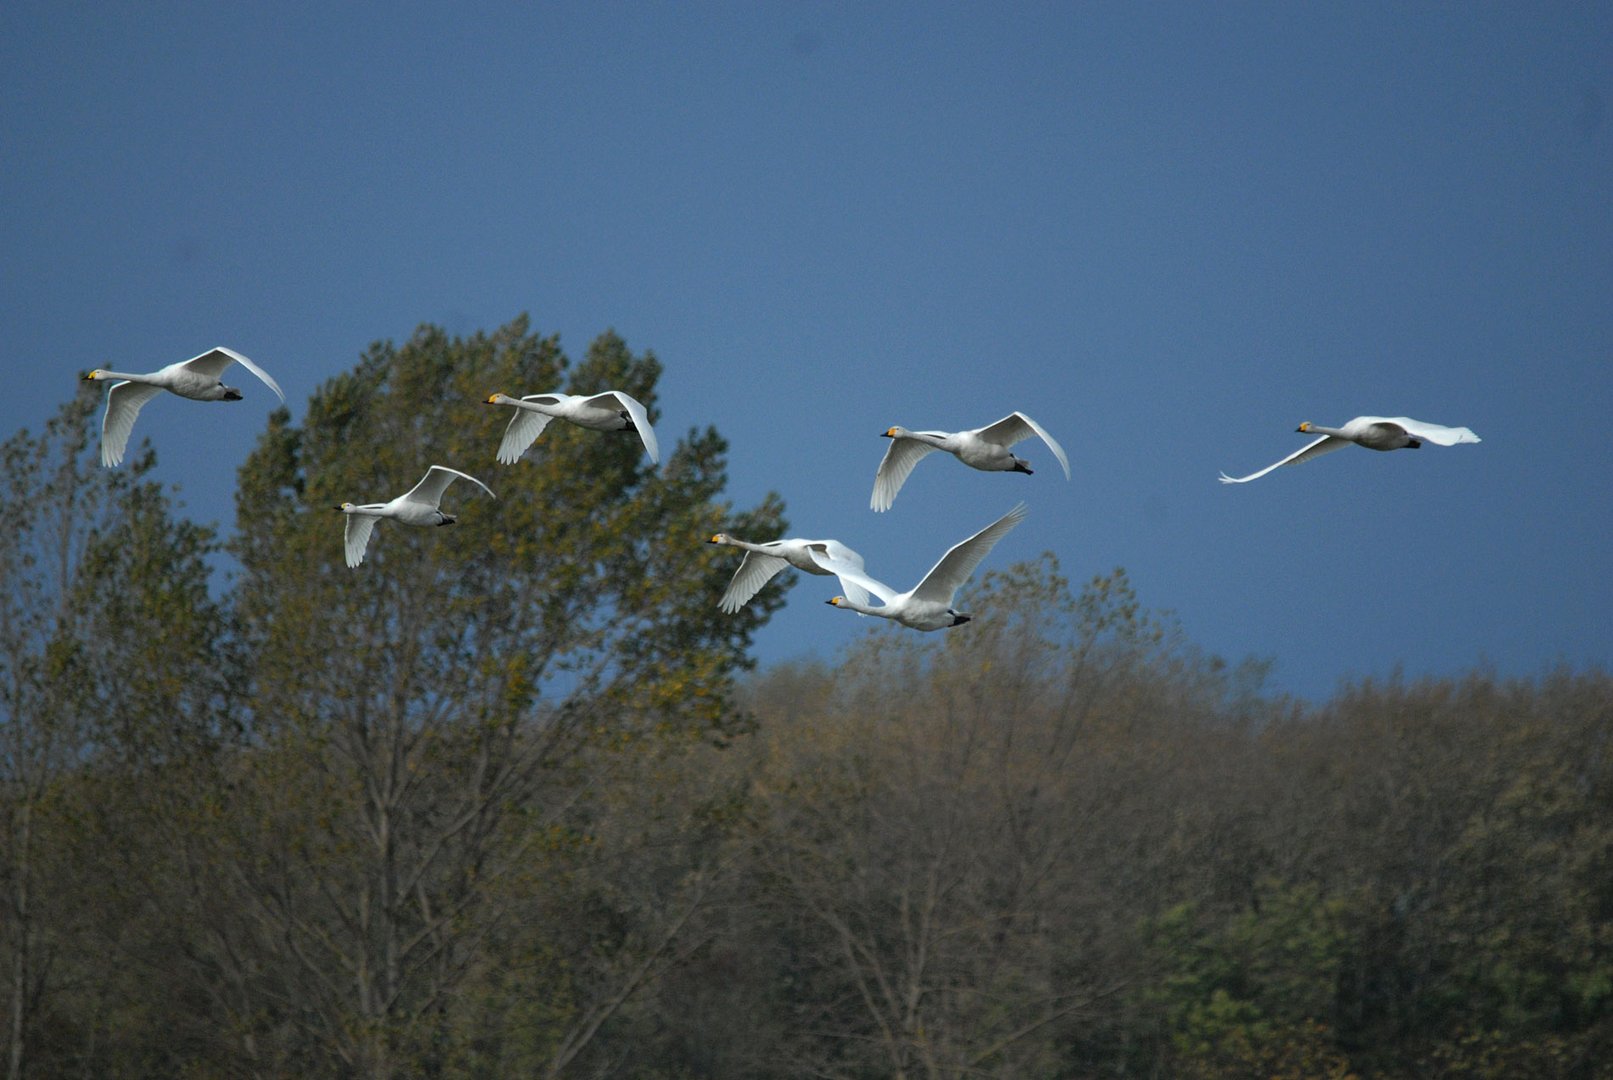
pixel 755 570
pixel 1325 445
pixel 525 427
pixel 957 564
pixel 430 488
pixel 214 361
pixel 1437 434
pixel 900 457
pixel 636 413
pixel 357 536
pixel 1017 427
pixel 847 565
pixel 123 402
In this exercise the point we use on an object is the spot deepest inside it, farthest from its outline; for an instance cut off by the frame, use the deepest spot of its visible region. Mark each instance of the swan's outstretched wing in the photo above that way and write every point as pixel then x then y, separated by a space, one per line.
pixel 430 488
pixel 900 457
pixel 1017 427
pixel 123 403
pixel 958 563
pixel 357 536
pixel 214 361
pixel 525 427
pixel 847 565
pixel 1325 445
pixel 755 570
pixel 636 413
pixel 1437 434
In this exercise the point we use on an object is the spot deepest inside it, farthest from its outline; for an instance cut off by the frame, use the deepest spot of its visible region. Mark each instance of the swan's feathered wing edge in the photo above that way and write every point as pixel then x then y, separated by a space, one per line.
pixel 431 486
pixel 523 430
pixel 894 467
pixel 1438 434
pixel 755 570
pixel 214 362
pixel 1016 427
pixel 960 561
pixel 356 536
pixel 1325 445
pixel 640 417
pixel 123 403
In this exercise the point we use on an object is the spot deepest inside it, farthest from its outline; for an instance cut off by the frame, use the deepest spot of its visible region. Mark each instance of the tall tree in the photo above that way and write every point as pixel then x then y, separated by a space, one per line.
pixel 61 508
pixel 426 720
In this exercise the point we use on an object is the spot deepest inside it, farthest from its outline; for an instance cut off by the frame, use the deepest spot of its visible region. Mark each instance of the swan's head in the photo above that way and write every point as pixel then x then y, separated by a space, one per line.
pixel 720 538
pixel 838 601
pixel 345 507
pixel 893 432
pixel 91 376
pixel 1306 426
pixel 496 399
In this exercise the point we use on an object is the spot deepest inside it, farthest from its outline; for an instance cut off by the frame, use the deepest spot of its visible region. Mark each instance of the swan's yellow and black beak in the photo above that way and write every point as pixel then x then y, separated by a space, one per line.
pixel 91 376
pixel 715 539
pixel 1306 426
pixel 492 399
pixel 890 433
pixel 835 602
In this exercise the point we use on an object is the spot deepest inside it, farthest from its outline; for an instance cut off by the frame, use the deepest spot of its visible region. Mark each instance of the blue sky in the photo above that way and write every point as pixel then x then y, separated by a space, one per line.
pixel 1169 232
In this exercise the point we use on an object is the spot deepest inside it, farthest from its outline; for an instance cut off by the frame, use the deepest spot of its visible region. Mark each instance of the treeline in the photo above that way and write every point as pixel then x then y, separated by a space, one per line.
pixel 508 801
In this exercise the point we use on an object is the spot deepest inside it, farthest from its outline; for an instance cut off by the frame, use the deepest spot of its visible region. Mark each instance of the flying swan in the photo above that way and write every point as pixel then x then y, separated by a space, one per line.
pixel 196 378
pixel 981 448
pixel 928 605
pixel 417 506
pixel 1372 432
pixel 609 411
pixel 763 561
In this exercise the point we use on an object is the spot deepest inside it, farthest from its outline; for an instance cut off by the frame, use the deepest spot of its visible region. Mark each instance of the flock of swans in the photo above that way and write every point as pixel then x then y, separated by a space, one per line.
pixel 926 606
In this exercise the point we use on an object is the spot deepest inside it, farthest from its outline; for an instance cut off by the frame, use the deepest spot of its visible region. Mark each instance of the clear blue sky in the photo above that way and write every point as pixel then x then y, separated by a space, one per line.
pixel 1169 232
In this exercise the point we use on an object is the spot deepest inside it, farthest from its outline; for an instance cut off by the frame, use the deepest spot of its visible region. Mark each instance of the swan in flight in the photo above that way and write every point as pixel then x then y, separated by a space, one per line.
pixel 417 506
pixel 609 411
pixel 197 378
pixel 981 448
pixel 763 561
pixel 928 605
pixel 1372 432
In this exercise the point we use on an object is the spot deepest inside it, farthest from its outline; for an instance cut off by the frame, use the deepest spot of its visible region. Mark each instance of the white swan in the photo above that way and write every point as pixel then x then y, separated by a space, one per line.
pixel 609 411
pixel 763 561
pixel 1372 432
pixel 417 506
pixel 980 448
pixel 928 605
pixel 196 378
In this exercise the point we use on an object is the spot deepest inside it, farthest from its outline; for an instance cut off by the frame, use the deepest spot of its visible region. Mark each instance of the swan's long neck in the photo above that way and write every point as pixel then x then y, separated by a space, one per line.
pixel 857 606
pixel 533 406
pixel 1317 429
pixel 734 541
pixel 102 373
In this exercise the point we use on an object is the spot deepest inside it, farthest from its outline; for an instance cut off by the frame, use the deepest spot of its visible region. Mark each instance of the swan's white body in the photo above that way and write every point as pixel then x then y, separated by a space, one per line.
pixel 417 506
pixel 980 448
pixel 765 560
pixel 1372 432
pixel 928 605
pixel 609 411
pixel 197 378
